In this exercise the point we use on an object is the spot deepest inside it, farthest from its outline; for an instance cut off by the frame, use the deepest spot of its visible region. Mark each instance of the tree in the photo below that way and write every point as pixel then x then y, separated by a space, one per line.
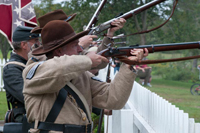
pixel 5 46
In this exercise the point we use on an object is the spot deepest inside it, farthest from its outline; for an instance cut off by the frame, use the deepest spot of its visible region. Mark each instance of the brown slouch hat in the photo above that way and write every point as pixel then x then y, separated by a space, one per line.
pixel 54 15
pixel 55 34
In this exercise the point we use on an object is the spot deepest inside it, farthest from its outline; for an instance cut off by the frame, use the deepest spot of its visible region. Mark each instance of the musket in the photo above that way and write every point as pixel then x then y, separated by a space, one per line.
pixel 104 26
pixel 122 52
pixel 102 110
pixel 94 18
pixel 91 24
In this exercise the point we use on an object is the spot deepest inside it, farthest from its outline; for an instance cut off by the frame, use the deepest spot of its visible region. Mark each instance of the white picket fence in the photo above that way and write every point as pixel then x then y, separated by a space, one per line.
pixel 2 62
pixel 146 112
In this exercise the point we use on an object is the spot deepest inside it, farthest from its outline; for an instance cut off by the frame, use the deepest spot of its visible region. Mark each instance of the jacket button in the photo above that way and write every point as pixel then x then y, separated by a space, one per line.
pixel 16 107
pixel 15 102
pixel 84 118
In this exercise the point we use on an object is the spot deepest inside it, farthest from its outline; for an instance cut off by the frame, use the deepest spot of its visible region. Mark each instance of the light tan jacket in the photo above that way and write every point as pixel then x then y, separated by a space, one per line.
pixel 41 91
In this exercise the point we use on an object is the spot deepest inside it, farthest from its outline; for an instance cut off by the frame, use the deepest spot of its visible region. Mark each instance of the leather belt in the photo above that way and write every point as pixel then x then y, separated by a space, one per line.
pixel 65 128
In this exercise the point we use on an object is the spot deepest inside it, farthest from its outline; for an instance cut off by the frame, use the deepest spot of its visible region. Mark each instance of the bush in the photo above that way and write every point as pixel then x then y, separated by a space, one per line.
pixel 180 71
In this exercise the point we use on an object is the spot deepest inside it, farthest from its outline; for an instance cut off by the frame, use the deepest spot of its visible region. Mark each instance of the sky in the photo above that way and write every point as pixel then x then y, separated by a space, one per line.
pixel 55 1
pixel 58 1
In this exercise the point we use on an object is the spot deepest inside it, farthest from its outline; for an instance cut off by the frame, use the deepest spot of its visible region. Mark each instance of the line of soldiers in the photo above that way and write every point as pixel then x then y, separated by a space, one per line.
pixel 56 90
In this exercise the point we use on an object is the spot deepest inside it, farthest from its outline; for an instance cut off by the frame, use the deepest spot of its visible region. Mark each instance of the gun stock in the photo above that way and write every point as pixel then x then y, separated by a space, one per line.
pixel 97 30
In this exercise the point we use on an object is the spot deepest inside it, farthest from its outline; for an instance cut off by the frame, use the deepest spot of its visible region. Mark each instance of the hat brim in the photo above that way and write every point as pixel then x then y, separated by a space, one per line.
pixel 38 30
pixel 71 17
pixel 40 50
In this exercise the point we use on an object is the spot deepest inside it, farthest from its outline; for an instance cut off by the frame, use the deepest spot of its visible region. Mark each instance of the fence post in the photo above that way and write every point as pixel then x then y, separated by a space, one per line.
pixel 197 127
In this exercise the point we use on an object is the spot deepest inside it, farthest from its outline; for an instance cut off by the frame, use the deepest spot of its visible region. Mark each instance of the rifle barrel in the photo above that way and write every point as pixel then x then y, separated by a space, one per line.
pixel 127 15
pixel 120 51
pixel 96 14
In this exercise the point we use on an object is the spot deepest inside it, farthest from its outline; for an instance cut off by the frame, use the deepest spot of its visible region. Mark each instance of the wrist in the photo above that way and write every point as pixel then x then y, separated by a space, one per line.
pixel 81 46
pixel 110 33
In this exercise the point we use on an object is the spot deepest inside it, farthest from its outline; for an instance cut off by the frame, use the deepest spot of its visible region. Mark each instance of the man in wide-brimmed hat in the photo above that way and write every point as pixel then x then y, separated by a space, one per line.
pixel 45 82
pixel 84 41
pixel 23 40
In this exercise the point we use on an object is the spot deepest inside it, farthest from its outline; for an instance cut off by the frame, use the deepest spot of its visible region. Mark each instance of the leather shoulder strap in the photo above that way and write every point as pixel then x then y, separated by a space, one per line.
pixel 82 98
pixel 57 106
pixel 16 63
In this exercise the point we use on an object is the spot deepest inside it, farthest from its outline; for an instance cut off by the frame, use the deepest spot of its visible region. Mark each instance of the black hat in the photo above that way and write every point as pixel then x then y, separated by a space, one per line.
pixel 23 33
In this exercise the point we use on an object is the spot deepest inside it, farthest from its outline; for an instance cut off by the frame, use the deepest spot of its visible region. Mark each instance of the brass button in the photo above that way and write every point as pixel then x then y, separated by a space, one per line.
pixel 84 118
pixel 15 102
pixel 16 107
pixel 81 111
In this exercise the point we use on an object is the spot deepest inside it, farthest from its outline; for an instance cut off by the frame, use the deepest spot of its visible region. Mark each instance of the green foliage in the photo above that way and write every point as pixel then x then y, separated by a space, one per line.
pixel 3 105
pixel 4 46
pixel 175 71
pixel 95 119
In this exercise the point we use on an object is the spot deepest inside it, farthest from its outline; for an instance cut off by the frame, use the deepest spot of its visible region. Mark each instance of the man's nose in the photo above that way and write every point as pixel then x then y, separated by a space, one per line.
pixel 79 49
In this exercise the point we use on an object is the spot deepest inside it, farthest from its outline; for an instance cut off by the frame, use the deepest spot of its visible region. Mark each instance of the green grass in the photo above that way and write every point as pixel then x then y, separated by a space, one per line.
pixel 178 93
pixel 3 105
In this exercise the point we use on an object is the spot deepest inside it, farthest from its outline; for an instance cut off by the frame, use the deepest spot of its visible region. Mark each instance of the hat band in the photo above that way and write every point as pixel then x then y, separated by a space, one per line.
pixel 54 43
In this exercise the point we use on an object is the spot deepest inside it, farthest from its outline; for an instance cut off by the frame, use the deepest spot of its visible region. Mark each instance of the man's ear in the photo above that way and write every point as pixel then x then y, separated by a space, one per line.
pixel 23 45
pixel 58 52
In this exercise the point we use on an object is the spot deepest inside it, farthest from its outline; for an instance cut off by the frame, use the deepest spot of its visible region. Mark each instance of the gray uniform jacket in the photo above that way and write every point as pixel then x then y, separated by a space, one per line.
pixel 13 83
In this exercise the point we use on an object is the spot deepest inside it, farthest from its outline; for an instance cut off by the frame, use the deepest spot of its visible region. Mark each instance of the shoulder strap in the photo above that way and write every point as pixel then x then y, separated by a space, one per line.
pixel 58 104
pixel 16 63
pixel 60 100
pixel 82 100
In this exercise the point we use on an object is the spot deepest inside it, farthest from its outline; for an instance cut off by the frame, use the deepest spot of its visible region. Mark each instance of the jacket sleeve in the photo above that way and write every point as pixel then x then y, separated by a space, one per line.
pixel 13 81
pixel 113 95
pixel 104 44
pixel 54 73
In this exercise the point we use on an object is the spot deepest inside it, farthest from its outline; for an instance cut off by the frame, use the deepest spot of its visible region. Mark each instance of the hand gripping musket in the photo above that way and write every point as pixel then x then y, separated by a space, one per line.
pixel 122 52
pixel 102 27
pixel 94 18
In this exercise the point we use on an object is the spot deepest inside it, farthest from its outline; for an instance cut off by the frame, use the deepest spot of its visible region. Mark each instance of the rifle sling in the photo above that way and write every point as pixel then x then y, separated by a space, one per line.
pixel 147 31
